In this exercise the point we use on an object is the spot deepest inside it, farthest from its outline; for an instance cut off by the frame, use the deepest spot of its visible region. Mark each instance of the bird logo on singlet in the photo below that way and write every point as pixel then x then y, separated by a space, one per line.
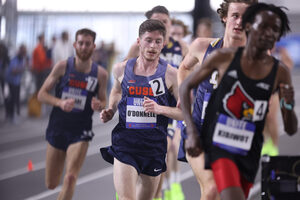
pixel 238 103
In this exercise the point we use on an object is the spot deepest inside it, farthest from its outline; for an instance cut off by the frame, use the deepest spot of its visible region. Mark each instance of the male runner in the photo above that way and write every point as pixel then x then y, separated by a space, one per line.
pixel 230 13
pixel 142 90
pixel 173 52
pixel 80 89
pixel 237 110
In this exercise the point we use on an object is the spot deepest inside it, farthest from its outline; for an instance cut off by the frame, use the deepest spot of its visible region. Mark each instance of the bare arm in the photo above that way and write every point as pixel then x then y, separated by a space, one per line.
pixel 194 55
pixel 286 97
pixel 44 93
pixel 216 61
pixel 115 94
pixel 99 104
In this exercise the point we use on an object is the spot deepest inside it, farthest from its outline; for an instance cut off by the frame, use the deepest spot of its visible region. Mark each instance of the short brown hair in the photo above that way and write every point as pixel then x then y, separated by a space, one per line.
pixel 151 25
pixel 157 9
pixel 85 31
pixel 223 10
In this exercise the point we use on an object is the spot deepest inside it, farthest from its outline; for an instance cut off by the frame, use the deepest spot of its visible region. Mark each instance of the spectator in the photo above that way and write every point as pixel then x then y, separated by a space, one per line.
pixel 63 48
pixel 13 77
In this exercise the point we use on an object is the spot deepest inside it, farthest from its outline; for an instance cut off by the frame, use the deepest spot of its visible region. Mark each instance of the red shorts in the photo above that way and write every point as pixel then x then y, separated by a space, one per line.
pixel 227 175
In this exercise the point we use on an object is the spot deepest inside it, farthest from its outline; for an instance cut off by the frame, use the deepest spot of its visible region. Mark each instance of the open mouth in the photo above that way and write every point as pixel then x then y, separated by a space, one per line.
pixel 238 30
pixel 152 52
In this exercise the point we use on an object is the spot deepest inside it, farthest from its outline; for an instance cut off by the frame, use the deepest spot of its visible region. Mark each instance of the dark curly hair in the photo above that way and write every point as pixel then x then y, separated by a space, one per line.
pixel 251 12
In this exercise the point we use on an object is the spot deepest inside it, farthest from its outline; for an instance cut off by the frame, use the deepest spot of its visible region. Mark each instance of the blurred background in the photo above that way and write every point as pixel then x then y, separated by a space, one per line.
pixel 116 23
pixel 24 24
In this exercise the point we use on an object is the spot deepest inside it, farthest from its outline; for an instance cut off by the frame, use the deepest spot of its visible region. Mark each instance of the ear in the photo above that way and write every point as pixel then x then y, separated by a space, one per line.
pixel 74 44
pixel 247 27
pixel 138 41
pixel 224 19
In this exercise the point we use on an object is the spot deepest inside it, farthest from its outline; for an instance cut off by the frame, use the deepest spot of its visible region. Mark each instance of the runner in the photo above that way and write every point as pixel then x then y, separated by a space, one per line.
pixel 173 52
pixel 237 109
pixel 230 13
pixel 142 90
pixel 78 80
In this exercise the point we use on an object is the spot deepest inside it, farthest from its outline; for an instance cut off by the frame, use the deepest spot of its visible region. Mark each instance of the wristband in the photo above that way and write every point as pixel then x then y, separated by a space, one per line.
pixel 288 106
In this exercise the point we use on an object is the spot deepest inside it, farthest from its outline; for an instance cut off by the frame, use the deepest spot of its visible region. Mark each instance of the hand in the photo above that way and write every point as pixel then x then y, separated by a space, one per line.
pixel 287 92
pixel 96 104
pixel 193 144
pixel 106 115
pixel 151 106
pixel 67 105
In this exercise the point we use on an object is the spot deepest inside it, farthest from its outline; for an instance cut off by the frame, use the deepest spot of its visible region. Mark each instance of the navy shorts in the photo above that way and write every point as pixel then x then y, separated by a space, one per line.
pixel 181 150
pixel 151 166
pixel 61 139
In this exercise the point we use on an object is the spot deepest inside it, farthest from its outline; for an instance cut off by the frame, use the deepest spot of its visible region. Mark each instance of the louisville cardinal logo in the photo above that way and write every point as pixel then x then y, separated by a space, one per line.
pixel 238 103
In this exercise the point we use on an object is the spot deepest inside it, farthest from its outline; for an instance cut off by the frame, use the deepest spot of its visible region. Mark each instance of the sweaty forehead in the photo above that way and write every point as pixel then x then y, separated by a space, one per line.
pixel 160 16
pixel 267 15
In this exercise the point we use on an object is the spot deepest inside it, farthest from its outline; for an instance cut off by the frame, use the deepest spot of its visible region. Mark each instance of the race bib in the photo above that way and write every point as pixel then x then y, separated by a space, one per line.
pixel 136 117
pixel 91 83
pixel 260 108
pixel 157 86
pixel 233 135
pixel 205 102
pixel 77 94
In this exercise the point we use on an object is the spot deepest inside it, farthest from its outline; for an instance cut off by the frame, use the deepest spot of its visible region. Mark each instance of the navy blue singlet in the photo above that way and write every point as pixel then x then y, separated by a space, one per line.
pixel 81 87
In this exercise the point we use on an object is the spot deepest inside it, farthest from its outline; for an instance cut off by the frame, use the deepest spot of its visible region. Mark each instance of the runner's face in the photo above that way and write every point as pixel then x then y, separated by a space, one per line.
pixel 165 19
pixel 266 29
pixel 151 44
pixel 233 21
pixel 84 47
pixel 177 32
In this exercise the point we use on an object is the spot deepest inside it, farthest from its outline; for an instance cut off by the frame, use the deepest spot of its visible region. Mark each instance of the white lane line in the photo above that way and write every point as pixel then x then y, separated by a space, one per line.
pixel 96 175
pixel 186 175
pixel 24 150
pixel 41 165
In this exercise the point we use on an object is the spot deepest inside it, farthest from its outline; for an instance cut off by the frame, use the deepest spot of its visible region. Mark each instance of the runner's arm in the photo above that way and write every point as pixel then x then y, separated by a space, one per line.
pixel 115 94
pixel 100 103
pixel 286 99
pixel 44 93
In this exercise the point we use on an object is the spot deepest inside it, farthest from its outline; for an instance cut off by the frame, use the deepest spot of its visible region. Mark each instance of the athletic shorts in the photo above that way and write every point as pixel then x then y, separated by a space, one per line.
pixel 61 139
pixel 151 166
pixel 181 150
pixel 227 174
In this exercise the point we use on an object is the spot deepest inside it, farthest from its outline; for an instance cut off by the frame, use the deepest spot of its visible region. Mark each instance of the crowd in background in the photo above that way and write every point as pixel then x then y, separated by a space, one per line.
pixel 23 72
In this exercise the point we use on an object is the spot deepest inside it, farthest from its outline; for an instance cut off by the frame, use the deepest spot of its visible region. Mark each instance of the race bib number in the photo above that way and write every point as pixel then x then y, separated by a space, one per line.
pixel 214 79
pixel 157 86
pixel 260 108
pixel 205 102
pixel 92 83
pixel 233 135
pixel 136 117
pixel 77 94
